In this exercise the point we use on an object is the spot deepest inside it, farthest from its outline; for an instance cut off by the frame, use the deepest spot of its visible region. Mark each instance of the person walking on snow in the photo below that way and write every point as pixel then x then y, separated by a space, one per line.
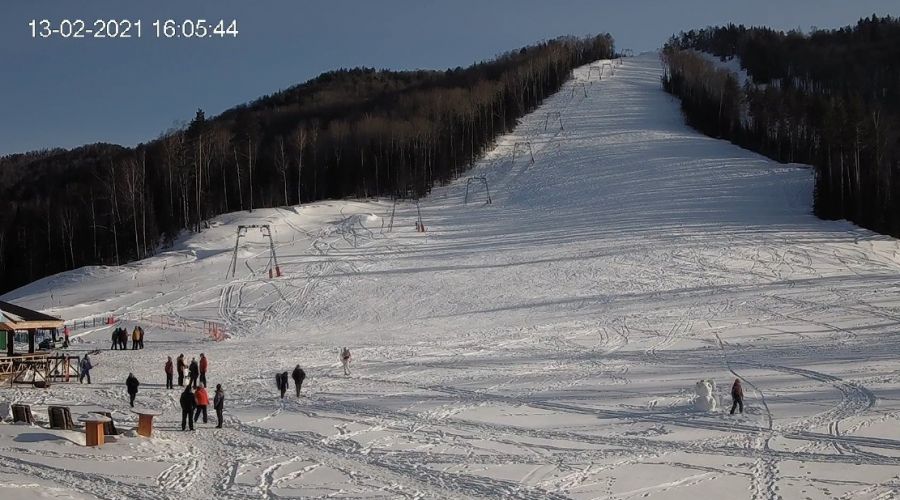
pixel 131 383
pixel 188 403
pixel 281 380
pixel 219 404
pixel 204 364
pixel 202 398
pixel 737 395
pixel 299 376
pixel 345 360
pixel 193 373
pixel 170 370
pixel 182 366
pixel 115 340
pixel 86 368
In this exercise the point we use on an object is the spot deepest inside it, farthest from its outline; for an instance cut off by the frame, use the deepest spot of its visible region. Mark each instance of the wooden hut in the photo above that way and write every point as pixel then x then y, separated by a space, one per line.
pixel 16 318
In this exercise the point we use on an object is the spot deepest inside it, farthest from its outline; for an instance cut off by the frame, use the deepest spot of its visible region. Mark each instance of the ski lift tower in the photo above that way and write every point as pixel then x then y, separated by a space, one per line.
pixel 267 233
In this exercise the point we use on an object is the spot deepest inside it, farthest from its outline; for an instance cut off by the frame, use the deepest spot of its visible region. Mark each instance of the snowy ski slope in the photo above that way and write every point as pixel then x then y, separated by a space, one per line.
pixel 544 346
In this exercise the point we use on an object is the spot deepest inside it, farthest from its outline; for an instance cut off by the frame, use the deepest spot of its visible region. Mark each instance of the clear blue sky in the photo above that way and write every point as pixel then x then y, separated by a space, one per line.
pixel 70 92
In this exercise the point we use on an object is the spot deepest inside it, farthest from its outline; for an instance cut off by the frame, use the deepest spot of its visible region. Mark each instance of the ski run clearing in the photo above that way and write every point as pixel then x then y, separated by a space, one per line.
pixel 544 346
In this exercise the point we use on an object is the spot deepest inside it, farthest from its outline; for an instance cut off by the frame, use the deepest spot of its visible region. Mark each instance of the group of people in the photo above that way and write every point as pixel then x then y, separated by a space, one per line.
pixel 195 403
pixel 194 399
pixel 281 380
pixel 120 338
pixel 196 371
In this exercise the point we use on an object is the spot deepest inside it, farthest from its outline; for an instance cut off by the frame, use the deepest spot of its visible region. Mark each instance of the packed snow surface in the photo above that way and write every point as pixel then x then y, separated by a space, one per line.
pixel 547 345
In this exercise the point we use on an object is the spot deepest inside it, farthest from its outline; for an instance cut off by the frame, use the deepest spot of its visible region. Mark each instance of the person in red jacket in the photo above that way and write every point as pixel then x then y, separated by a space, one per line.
pixel 202 399
pixel 204 364
pixel 737 395
pixel 170 371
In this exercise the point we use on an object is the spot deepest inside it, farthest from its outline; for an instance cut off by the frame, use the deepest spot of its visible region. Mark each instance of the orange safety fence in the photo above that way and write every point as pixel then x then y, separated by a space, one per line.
pixel 92 322
pixel 212 329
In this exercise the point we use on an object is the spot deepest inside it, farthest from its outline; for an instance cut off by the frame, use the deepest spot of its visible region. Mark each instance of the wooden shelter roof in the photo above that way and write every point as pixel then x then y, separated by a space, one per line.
pixel 13 317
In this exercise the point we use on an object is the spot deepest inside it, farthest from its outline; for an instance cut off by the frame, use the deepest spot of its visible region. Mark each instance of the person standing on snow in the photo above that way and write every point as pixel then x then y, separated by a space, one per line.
pixel 219 404
pixel 299 376
pixel 188 403
pixel 204 364
pixel 193 373
pixel 141 336
pixel 202 399
pixel 181 368
pixel 281 380
pixel 170 371
pixel 131 383
pixel 737 395
pixel 86 368
pixel 115 340
pixel 135 339
pixel 345 360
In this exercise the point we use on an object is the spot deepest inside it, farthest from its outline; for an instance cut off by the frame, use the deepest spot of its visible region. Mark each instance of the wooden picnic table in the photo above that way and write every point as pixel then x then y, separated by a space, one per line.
pixel 93 428
pixel 145 420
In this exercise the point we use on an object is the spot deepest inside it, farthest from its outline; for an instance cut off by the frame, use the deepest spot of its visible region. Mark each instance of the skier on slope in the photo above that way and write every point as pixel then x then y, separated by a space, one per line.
pixel 132 383
pixel 737 395
pixel 170 371
pixel 345 360
pixel 188 404
pixel 299 376
pixel 193 373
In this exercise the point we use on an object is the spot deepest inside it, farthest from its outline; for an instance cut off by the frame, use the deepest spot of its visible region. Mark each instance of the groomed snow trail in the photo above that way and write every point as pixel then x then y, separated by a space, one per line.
pixel 544 346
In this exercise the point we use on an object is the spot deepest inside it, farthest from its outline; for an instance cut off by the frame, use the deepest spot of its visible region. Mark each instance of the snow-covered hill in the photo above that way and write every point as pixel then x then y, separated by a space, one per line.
pixel 544 346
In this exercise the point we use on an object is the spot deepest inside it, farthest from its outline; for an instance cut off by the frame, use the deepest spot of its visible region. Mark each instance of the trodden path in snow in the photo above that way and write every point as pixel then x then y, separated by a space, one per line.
pixel 543 346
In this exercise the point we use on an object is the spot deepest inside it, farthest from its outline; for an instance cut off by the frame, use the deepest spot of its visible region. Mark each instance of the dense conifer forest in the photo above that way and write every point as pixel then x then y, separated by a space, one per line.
pixel 347 133
pixel 830 98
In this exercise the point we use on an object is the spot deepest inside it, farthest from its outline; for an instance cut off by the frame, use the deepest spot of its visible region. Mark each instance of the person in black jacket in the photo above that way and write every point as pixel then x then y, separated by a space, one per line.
pixel 299 376
pixel 219 404
pixel 115 339
pixel 182 366
pixel 187 408
pixel 281 380
pixel 737 396
pixel 193 373
pixel 131 383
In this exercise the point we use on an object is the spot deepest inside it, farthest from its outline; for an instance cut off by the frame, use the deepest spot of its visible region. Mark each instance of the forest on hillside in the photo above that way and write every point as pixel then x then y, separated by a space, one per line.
pixel 829 98
pixel 347 133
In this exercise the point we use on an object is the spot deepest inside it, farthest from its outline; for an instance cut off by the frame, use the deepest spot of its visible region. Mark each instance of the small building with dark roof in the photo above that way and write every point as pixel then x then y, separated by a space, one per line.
pixel 17 318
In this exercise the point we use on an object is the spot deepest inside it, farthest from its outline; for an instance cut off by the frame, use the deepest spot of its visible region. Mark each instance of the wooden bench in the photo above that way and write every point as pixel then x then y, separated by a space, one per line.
pixel 60 418
pixel 22 413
